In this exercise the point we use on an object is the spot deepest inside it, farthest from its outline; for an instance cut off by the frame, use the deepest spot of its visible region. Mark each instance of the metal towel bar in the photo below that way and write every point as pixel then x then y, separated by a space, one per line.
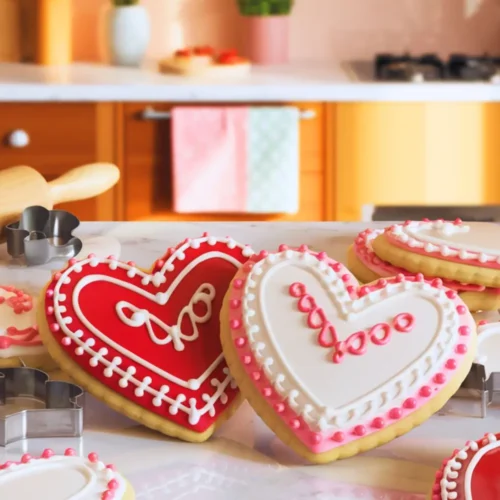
pixel 151 114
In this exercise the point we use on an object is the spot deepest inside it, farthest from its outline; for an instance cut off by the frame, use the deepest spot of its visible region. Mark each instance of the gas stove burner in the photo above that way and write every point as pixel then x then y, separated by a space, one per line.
pixel 429 67
pixel 407 68
pixel 473 68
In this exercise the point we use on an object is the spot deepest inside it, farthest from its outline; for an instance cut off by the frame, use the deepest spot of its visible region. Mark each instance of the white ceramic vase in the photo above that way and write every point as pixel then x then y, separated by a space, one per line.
pixel 128 33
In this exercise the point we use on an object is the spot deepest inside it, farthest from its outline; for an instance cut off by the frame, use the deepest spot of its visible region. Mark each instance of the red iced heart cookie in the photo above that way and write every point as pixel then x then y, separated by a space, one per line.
pixel 147 343
pixel 334 368
pixel 471 473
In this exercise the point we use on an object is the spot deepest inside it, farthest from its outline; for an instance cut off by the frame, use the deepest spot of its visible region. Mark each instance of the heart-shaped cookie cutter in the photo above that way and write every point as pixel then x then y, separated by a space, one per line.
pixel 32 406
pixel 41 235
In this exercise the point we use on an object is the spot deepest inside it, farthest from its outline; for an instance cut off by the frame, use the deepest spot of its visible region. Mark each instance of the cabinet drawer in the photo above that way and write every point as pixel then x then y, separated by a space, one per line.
pixel 60 137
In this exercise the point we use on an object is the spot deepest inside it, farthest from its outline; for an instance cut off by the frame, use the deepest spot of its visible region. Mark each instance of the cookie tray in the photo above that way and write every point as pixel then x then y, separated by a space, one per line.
pixel 32 406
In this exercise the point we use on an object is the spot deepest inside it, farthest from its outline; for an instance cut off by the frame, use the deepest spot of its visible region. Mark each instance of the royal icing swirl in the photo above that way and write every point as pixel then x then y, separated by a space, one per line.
pixel 419 332
pixel 18 331
pixel 147 372
pixel 470 473
pixel 364 252
pixel 473 243
pixel 63 477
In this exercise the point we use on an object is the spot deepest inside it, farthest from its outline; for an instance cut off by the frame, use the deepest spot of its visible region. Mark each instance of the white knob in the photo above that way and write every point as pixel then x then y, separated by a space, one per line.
pixel 19 139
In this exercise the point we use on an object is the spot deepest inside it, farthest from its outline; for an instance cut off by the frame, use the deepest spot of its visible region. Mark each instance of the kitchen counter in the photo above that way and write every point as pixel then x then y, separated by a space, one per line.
pixel 243 460
pixel 295 82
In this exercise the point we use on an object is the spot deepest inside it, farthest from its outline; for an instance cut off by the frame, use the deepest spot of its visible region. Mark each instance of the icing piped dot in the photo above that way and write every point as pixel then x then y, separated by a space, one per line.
pixel 359 430
pixel 425 391
pixel 235 324
pixel 439 378
pixel 315 438
pixel 338 437
pixel 240 341
pixel 395 413
pixel 237 284
pixel 461 349
pixel 378 423
pixel 464 330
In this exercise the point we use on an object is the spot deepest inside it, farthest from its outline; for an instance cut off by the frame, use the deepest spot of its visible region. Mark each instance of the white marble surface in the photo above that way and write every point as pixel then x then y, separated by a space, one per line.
pixel 243 460
pixel 295 82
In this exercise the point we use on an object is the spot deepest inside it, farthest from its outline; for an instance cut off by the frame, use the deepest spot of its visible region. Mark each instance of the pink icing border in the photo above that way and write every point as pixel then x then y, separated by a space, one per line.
pixel 385 269
pixel 319 442
pixel 437 255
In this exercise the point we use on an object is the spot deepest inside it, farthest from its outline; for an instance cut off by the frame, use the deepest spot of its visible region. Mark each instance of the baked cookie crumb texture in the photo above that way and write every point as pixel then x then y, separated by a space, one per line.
pixel 69 475
pixel 414 342
pixel 471 472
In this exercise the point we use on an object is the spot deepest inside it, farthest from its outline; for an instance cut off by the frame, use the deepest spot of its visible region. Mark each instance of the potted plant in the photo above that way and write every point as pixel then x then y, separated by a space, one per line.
pixel 129 32
pixel 267 29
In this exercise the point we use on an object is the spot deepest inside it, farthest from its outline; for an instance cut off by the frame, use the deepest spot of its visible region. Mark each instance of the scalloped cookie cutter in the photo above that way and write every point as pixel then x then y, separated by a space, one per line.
pixel 32 406
pixel 41 235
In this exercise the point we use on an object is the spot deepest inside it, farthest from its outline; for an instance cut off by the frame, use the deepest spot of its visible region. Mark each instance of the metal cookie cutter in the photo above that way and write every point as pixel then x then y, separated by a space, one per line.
pixel 477 386
pixel 32 406
pixel 42 235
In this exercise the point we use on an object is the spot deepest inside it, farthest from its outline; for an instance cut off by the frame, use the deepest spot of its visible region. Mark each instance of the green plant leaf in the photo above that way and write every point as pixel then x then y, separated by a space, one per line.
pixel 265 7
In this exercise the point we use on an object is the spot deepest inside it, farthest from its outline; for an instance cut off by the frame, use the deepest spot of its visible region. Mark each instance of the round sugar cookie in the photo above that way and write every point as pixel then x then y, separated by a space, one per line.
pixel 20 342
pixel 334 368
pixel 465 252
pixel 62 477
pixel 366 266
pixel 488 346
pixel 471 472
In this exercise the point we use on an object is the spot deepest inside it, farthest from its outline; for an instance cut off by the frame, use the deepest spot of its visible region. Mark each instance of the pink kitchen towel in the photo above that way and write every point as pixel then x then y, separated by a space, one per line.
pixel 209 159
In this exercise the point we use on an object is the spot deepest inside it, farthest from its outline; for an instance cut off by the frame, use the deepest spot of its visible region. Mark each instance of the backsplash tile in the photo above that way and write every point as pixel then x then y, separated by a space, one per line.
pixel 322 30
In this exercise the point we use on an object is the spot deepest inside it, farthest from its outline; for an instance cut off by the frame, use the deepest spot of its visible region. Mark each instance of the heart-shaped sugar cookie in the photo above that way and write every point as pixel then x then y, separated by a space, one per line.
pixel 334 368
pixel 148 343
pixel 470 473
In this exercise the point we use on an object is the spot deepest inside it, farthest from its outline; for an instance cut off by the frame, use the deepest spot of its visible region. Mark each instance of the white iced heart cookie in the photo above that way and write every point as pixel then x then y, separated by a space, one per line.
pixel 333 368
pixel 62 477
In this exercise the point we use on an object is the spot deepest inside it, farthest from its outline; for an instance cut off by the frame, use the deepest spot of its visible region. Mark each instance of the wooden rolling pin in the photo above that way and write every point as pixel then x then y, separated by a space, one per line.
pixel 22 187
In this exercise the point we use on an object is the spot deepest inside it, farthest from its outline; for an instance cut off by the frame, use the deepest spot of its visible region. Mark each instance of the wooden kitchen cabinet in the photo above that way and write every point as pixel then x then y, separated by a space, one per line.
pixel 436 153
pixel 145 156
pixel 61 136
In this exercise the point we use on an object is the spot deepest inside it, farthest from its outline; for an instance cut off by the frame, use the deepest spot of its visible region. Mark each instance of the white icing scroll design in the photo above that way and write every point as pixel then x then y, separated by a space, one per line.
pixel 174 334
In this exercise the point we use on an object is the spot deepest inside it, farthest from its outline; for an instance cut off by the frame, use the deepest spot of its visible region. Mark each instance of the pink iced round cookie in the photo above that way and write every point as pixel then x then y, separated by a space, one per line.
pixel 334 368
pixel 471 472
pixel 66 476
pixel 19 337
pixel 465 252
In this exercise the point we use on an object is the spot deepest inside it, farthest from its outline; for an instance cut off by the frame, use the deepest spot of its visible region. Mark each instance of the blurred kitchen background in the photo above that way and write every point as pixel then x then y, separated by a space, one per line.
pixel 310 110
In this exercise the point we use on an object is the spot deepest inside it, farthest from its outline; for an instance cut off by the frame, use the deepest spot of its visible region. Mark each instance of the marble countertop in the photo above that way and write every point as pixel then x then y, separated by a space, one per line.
pixel 243 460
pixel 339 82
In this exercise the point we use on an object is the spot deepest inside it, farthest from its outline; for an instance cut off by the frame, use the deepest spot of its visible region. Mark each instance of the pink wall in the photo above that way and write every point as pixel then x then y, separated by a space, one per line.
pixel 321 29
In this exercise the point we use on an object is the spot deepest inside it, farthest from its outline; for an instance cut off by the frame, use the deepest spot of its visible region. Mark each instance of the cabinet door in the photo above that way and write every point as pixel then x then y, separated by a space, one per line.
pixel 414 154
pixel 146 160
pixel 53 138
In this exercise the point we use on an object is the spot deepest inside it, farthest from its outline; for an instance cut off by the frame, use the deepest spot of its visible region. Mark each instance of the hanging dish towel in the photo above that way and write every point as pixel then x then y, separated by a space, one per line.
pixel 235 159
pixel 209 159
pixel 274 160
